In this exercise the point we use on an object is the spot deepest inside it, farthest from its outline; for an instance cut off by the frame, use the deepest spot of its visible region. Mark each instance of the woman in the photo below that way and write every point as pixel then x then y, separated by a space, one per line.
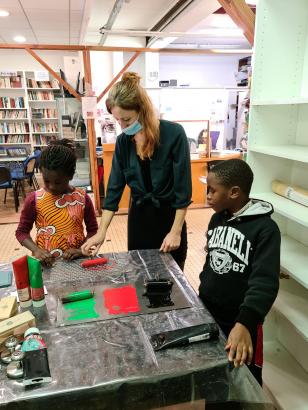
pixel 152 157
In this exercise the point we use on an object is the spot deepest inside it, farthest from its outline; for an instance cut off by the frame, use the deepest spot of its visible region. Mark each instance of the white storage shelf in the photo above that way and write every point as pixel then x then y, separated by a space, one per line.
pixel 278 149
pixel 14 119
pixel 44 119
pixel 39 133
pixel 292 152
pixel 292 303
pixel 27 93
pixel 294 260
pixel 286 207
pixel 11 88
pixel 43 89
pixel 42 101
pixel 290 101
pixel 285 378
pixel 14 133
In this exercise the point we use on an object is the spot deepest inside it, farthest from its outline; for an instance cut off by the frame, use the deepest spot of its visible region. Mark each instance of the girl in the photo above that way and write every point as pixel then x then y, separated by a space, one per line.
pixel 58 210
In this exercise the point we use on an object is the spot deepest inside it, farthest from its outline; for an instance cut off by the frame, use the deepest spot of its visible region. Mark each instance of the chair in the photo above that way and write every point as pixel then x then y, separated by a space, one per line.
pixel 29 166
pixel 37 154
pixel 25 173
pixel 7 182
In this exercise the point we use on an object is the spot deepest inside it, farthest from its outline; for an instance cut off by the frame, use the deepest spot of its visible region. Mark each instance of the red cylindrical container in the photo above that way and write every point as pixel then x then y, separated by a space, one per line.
pixel 21 274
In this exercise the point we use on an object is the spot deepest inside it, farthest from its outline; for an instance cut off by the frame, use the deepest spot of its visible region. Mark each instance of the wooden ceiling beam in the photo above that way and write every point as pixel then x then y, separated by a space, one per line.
pixel 125 49
pixel 242 15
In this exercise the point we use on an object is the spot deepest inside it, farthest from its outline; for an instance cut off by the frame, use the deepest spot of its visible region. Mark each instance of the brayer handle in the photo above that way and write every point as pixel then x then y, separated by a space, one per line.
pixel 94 262
pixel 75 296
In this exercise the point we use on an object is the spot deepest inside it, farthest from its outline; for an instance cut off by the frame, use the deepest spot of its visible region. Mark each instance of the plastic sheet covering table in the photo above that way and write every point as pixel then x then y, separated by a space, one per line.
pixel 110 365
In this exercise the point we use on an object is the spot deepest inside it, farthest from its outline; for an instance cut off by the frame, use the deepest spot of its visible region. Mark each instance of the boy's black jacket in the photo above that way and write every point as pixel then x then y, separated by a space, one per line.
pixel 240 277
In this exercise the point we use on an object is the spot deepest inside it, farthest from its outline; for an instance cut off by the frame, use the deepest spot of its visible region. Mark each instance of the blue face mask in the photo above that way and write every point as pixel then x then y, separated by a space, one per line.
pixel 133 128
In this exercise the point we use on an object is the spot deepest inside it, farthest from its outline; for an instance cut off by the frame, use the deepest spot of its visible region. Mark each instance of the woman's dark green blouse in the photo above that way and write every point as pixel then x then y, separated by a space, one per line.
pixel 169 166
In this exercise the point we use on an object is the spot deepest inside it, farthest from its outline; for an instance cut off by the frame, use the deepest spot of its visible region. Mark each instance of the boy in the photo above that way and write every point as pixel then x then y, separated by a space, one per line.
pixel 240 278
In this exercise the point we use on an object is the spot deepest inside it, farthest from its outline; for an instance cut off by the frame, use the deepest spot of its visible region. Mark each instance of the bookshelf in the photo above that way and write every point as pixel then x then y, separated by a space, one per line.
pixel 15 134
pixel 29 114
pixel 278 149
pixel 44 113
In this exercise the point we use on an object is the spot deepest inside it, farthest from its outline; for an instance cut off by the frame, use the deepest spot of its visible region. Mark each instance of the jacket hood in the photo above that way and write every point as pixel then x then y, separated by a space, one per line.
pixel 254 207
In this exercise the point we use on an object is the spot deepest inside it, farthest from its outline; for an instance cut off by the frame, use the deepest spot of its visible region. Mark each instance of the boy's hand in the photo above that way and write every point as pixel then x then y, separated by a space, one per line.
pixel 71 254
pixel 239 345
pixel 43 256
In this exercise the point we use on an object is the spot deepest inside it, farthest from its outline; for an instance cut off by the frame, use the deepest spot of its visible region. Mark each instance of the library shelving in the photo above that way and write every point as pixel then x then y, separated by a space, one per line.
pixel 28 110
pixel 278 150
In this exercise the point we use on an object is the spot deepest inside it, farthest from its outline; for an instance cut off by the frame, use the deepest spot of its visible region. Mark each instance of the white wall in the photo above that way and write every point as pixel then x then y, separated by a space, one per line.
pixel 138 66
pixel 21 60
pixel 199 70
pixel 102 70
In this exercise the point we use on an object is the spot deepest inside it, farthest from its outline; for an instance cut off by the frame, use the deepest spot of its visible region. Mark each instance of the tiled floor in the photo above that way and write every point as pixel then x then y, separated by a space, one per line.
pixel 197 221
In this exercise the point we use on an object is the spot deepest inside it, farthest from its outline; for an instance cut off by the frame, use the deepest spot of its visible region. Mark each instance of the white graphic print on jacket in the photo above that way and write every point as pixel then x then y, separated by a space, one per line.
pixel 228 249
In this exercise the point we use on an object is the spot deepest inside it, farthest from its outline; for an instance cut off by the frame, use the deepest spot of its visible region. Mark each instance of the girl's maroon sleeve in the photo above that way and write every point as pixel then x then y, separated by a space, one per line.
pixel 27 218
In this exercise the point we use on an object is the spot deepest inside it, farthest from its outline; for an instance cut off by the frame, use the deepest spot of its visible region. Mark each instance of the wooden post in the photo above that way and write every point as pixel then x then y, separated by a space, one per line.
pixel 242 15
pixel 92 137
pixel 54 74
pixel 129 62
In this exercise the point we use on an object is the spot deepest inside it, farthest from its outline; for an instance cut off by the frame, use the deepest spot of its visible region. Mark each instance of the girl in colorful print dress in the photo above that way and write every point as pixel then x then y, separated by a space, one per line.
pixel 58 210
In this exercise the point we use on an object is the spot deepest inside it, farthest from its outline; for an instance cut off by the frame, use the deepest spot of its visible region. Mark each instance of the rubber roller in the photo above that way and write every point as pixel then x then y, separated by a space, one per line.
pixel 94 262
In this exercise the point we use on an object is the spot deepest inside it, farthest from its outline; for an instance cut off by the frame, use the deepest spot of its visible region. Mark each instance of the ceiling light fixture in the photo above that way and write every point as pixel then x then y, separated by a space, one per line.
pixel 19 39
pixel 4 13
pixel 221 32
pixel 232 51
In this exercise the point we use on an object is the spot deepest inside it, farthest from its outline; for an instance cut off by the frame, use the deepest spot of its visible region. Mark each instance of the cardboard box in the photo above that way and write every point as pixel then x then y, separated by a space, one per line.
pixel 8 307
pixel 16 325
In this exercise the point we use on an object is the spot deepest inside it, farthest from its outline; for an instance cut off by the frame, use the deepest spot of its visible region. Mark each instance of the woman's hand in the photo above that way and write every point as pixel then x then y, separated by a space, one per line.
pixel 171 242
pixel 239 345
pixel 92 245
pixel 72 253
pixel 43 256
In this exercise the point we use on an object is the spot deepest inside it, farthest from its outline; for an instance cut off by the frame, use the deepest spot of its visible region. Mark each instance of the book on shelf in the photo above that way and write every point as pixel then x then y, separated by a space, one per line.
pixel 22 114
pixel 38 113
pixel 41 95
pixel 14 139
pixel 45 127
pixel 17 151
pixel 10 82
pixel 8 102
pixel 14 127
pixel 31 83
pixel 43 139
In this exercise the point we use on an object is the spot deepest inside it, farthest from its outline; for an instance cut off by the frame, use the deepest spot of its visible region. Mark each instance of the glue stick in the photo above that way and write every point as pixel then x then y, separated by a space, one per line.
pixel 21 274
pixel 36 282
